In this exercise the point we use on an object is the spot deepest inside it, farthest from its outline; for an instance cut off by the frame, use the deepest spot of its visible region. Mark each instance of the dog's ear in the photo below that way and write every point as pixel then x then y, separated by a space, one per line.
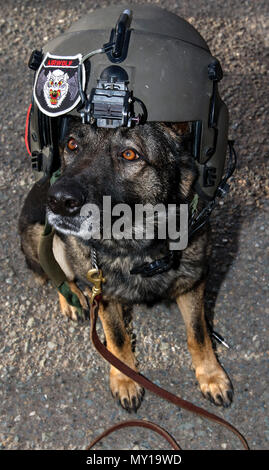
pixel 181 133
pixel 181 128
pixel 178 128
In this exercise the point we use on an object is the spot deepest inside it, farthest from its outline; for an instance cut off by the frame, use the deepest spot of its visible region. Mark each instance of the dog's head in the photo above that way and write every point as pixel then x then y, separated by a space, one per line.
pixel 149 164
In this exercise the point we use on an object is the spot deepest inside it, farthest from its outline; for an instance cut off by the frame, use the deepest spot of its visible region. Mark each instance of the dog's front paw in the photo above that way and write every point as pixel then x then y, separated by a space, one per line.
pixel 215 386
pixel 72 313
pixel 128 392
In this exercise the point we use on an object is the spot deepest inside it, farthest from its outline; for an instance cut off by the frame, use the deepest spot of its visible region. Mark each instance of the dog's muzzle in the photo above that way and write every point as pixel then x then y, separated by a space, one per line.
pixel 65 201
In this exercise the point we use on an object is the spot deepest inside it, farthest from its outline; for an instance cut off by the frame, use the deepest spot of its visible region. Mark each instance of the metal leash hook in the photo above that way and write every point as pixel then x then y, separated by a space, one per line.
pixel 95 276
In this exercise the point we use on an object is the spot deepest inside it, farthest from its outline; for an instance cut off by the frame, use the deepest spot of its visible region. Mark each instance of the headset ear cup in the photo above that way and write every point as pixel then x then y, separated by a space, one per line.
pixel 27 130
pixel 32 132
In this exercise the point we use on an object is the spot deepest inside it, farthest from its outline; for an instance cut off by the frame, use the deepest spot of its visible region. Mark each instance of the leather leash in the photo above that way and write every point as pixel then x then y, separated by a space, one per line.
pixel 147 384
pixel 137 423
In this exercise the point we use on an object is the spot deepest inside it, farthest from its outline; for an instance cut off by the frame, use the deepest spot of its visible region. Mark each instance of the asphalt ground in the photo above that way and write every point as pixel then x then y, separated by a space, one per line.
pixel 54 386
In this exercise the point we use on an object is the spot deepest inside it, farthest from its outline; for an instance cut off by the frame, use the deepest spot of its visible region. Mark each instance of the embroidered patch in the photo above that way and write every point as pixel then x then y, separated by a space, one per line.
pixel 56 88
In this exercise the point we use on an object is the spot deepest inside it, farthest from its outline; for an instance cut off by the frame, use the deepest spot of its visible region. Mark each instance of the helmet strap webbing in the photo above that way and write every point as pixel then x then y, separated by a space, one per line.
pixel 51 267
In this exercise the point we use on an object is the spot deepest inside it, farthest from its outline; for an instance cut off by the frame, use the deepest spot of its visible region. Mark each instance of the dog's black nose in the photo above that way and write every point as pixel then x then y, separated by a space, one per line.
pixel 64 201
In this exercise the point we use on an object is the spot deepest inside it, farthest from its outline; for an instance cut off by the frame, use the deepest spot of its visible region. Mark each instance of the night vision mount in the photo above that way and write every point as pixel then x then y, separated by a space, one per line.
pixel 111 104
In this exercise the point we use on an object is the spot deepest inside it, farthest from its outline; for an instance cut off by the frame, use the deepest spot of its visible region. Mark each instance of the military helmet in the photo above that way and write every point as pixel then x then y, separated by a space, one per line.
pixel 124 66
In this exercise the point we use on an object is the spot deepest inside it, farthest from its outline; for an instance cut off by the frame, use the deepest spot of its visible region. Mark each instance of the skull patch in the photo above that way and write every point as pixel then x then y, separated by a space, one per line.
pixel 56 89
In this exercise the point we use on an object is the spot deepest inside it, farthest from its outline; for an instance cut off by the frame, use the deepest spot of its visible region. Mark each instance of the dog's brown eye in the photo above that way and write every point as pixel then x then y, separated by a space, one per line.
pixel 130 154
pixel 72 144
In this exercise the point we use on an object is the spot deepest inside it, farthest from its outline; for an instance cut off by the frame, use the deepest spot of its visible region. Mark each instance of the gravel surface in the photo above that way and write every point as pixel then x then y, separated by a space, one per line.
pixel 54 386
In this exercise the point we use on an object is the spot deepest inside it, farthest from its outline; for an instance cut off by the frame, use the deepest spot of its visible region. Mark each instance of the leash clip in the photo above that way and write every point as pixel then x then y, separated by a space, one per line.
pixel 95 276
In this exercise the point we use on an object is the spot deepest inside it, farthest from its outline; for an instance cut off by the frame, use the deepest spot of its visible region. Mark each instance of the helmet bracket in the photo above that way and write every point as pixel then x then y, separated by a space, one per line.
pixel 119 38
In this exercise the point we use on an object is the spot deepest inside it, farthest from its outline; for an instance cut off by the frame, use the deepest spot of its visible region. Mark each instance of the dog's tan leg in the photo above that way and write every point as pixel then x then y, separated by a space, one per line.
pixel 128 392
pixel 214 382
pixel 66 309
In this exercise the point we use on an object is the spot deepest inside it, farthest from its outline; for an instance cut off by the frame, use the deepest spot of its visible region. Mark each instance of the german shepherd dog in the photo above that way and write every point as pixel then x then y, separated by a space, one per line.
pixel 150 163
